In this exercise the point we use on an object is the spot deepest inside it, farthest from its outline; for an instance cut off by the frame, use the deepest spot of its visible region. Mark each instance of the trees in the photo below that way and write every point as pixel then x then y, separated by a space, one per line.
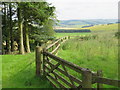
pixel 20 29
pixel 18 20
pixel 11 26
pixel 5 23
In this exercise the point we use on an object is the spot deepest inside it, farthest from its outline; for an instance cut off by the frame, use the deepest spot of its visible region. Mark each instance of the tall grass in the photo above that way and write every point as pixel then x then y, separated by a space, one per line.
pixel 96 54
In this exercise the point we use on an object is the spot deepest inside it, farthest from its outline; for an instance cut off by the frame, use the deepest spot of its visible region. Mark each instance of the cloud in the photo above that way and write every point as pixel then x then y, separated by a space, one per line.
pixel 86 9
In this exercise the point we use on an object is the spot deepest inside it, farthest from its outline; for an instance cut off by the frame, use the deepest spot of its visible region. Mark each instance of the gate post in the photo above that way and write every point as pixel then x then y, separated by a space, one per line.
pixel 68 37
pixel 38 60
pixel 99 73
pixel 87 79
pixel 44 74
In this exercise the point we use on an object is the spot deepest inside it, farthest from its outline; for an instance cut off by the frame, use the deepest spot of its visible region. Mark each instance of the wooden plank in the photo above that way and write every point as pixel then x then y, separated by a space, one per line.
pixel 61 86
pixel 99 73
pixel 53 68
pixel 49 71
pixel 55 49
pixel 71 76
pixel 60 70
pixel 69 64
pixel 107 81
pixel 51 83
pixel 68 76
pixel 65 81
pixel 63 41
pixel 53 44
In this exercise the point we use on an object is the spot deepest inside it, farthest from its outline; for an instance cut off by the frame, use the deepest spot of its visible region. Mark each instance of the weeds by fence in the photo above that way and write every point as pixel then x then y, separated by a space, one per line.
pixel 55 69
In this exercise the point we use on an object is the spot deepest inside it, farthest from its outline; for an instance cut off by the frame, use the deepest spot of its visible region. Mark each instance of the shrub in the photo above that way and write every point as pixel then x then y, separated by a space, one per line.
pixel 117 34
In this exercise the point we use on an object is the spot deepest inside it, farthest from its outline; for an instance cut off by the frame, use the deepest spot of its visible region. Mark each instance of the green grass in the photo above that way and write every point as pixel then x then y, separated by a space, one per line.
pixel 18 72
pixel 96 54
pixel 58 35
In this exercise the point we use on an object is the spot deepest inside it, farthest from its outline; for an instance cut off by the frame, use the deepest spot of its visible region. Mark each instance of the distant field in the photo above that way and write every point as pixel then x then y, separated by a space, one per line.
pixel 96 27
pixel 103 27
pixel 73 26
pixel 70 34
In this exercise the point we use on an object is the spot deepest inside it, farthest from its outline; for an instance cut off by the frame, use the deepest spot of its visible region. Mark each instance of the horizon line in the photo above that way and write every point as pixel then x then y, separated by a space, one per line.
pixel 85 19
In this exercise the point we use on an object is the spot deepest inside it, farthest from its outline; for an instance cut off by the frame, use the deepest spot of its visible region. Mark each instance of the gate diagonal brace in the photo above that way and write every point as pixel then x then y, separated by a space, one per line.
pixel 68 76
pixel 55 67
pixel 51 67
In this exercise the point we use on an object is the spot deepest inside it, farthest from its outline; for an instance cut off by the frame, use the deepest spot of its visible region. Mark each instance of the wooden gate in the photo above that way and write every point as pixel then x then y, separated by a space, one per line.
pixel 64 74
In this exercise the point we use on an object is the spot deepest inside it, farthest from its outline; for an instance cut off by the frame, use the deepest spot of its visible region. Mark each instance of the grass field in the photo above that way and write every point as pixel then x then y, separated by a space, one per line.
pixel 95 54
pixel 58 35
pixel 96 27
pixel 103 27
pixel 18 71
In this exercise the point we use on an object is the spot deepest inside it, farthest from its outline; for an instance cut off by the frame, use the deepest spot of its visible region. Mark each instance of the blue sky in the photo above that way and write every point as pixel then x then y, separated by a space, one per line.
pixel 85 9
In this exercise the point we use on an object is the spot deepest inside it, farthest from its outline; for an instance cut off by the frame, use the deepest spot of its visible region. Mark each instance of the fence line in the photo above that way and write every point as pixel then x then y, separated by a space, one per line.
pixel 55 69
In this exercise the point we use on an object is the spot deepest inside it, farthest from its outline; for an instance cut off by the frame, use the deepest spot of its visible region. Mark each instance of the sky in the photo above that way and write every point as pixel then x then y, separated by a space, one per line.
pixel 85 9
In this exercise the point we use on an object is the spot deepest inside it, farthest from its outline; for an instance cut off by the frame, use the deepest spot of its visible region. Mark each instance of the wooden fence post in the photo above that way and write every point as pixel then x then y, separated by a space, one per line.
pixel 87 79
pixel 99 73
pixel 52 48
pixel 61 40
pixel 38 60
pixel 65 37
pixel 44 62
pixel 68 37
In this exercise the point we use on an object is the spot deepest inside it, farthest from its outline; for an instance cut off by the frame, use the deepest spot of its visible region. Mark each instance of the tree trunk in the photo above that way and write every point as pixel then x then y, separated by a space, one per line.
pixel 8 32
pixel 11 31
pixel 27 45
pixel 20 28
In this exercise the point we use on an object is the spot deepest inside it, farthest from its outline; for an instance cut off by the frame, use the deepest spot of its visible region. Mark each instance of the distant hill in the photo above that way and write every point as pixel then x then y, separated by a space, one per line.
pixel 87 22
pixel 101 27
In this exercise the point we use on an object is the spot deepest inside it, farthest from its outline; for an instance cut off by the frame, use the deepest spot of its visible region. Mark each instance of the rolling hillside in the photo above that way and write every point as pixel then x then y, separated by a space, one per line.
pixel 81 23
pixel 103 27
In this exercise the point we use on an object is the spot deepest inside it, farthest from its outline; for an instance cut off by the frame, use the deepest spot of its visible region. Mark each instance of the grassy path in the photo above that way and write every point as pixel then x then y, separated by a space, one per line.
pixel 18 72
